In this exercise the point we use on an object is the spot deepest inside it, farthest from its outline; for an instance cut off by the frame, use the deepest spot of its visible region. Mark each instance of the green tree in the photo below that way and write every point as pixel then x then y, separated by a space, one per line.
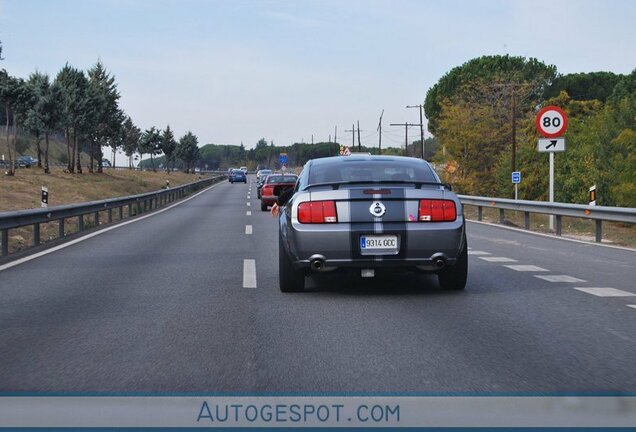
pixel 150 143
pixel 188 150
pixel 535 76
pixel 107 116
pixel 584 86
pixel 130 139
pixel 168 147
pixel 75 111
pixel 35 118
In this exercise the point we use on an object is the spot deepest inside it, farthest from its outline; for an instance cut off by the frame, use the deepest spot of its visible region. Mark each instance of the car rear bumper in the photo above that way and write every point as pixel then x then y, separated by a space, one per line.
pixel 268 200
pixel 426 247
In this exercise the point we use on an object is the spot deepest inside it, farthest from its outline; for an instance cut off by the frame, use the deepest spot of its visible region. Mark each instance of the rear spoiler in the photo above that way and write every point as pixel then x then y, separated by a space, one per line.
pixel 417 184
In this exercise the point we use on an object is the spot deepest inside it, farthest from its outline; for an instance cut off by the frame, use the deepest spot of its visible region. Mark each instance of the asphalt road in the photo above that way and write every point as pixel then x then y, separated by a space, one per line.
pixel 169 304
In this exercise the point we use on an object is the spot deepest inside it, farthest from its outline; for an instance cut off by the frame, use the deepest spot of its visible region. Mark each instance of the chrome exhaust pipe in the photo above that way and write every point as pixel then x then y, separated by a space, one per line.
pixel 439 263
pixel 317 263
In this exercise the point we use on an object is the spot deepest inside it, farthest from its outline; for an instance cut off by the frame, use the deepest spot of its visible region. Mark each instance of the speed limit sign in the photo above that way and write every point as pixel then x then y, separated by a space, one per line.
pixel 552 122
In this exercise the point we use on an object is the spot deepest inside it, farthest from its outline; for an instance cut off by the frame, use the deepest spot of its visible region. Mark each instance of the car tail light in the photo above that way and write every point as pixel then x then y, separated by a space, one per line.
pixel 267 190
pixel 317 212
pixel 437 211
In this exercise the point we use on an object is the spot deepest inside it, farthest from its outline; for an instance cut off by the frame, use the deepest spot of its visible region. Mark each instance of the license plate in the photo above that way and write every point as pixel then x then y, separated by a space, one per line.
pixel 378 244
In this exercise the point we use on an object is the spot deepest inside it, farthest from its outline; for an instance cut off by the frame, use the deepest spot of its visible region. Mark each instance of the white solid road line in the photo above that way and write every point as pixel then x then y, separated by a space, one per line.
pixel 606 292
pixel 632 306
pixel 248 229
pixel 526 268
pixel 477 252
pixel 249 273
pixel 96 233
pixel 559 278
pixel 248 213
pixel 497 259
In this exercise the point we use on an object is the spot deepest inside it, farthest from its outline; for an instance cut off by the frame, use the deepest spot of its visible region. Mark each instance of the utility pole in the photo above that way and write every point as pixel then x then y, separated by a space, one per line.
pixel 312 139
pixel 353 135
pixel 406 134
pixel 379 129
pixel 359 145
pixel 335 139
pixel 420 107
pixel 513 115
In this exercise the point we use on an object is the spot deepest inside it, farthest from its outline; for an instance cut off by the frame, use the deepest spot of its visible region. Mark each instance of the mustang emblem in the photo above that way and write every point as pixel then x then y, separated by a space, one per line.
pixel 377 209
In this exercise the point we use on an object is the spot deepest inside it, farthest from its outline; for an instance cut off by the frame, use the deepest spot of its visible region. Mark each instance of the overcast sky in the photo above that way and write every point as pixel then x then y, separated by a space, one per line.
pixel 236 71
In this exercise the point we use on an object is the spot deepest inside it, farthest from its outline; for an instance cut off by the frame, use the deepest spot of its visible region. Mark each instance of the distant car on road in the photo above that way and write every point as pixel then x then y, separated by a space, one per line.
pixel 260 181
pixel 237 175
pixel 244 169
pixel 369 213
pixel 274 186
pixel 262 173
pixel 26 162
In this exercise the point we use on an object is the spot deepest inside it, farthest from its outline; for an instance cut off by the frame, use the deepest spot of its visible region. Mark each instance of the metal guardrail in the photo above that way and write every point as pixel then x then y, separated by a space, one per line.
pixel 596 213
pixel 136 204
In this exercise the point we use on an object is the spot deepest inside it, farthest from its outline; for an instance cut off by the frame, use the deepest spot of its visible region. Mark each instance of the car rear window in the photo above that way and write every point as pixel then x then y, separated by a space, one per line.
pixel 371 170
pixel 281 179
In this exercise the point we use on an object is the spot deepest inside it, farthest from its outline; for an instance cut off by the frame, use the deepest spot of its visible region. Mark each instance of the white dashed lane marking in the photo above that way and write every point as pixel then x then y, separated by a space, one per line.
pixel 606 292
pixel 632 306
pixel 248 213
pixel 249 204
pixel 248 229
pixel 526 268
pixel 497 259
pixel 477 253
pixel 249 273
pixel 559 278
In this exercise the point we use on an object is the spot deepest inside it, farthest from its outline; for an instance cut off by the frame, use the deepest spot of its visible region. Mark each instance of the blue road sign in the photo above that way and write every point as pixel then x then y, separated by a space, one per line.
pixel 516 177
pixel 282 159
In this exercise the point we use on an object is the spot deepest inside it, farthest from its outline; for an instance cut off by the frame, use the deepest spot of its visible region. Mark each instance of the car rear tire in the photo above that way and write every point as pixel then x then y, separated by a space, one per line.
pixel 263 207
pixel 454 278
pixel 289 279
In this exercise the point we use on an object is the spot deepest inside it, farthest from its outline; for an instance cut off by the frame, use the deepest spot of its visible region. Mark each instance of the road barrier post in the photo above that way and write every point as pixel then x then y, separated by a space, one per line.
pixel 36 234
pixel 5 242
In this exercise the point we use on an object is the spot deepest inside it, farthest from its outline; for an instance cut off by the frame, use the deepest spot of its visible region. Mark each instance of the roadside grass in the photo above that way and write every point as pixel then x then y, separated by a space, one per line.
pixel 23 191
pixel 614 233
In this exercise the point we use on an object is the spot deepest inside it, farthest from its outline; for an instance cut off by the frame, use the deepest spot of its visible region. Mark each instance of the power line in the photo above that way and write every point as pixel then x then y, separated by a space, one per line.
pixel 379 129
pixel 420 107
pixel 406 134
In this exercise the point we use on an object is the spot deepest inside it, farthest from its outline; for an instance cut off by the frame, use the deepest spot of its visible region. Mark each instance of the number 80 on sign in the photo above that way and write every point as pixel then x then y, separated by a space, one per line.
pixel 552 122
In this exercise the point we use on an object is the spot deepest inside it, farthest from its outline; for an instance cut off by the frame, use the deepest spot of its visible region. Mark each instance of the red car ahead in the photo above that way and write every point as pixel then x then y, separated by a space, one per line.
pixel 274 185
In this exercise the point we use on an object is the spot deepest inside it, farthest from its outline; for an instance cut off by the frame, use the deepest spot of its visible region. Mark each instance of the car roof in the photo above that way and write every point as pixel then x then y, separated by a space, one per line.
pixel 365 157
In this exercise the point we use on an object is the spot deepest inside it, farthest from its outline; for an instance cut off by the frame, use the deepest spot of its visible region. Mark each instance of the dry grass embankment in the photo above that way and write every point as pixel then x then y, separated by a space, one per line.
pixel 23 190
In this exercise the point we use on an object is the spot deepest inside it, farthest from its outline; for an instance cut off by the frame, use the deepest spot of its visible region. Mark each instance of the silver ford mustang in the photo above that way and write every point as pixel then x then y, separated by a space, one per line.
pixel 366 213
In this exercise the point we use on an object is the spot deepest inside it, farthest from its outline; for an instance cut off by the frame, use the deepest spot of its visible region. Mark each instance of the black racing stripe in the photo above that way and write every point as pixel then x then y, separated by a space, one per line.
pixel 397 225
pixel 363 222
pixel 357 230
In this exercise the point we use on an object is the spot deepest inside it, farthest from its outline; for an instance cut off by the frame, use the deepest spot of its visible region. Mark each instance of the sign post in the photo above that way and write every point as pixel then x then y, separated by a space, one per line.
pixel 282 160
pixel 593 195
pixel 551 123
pixel 45 197
pixel 516 179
